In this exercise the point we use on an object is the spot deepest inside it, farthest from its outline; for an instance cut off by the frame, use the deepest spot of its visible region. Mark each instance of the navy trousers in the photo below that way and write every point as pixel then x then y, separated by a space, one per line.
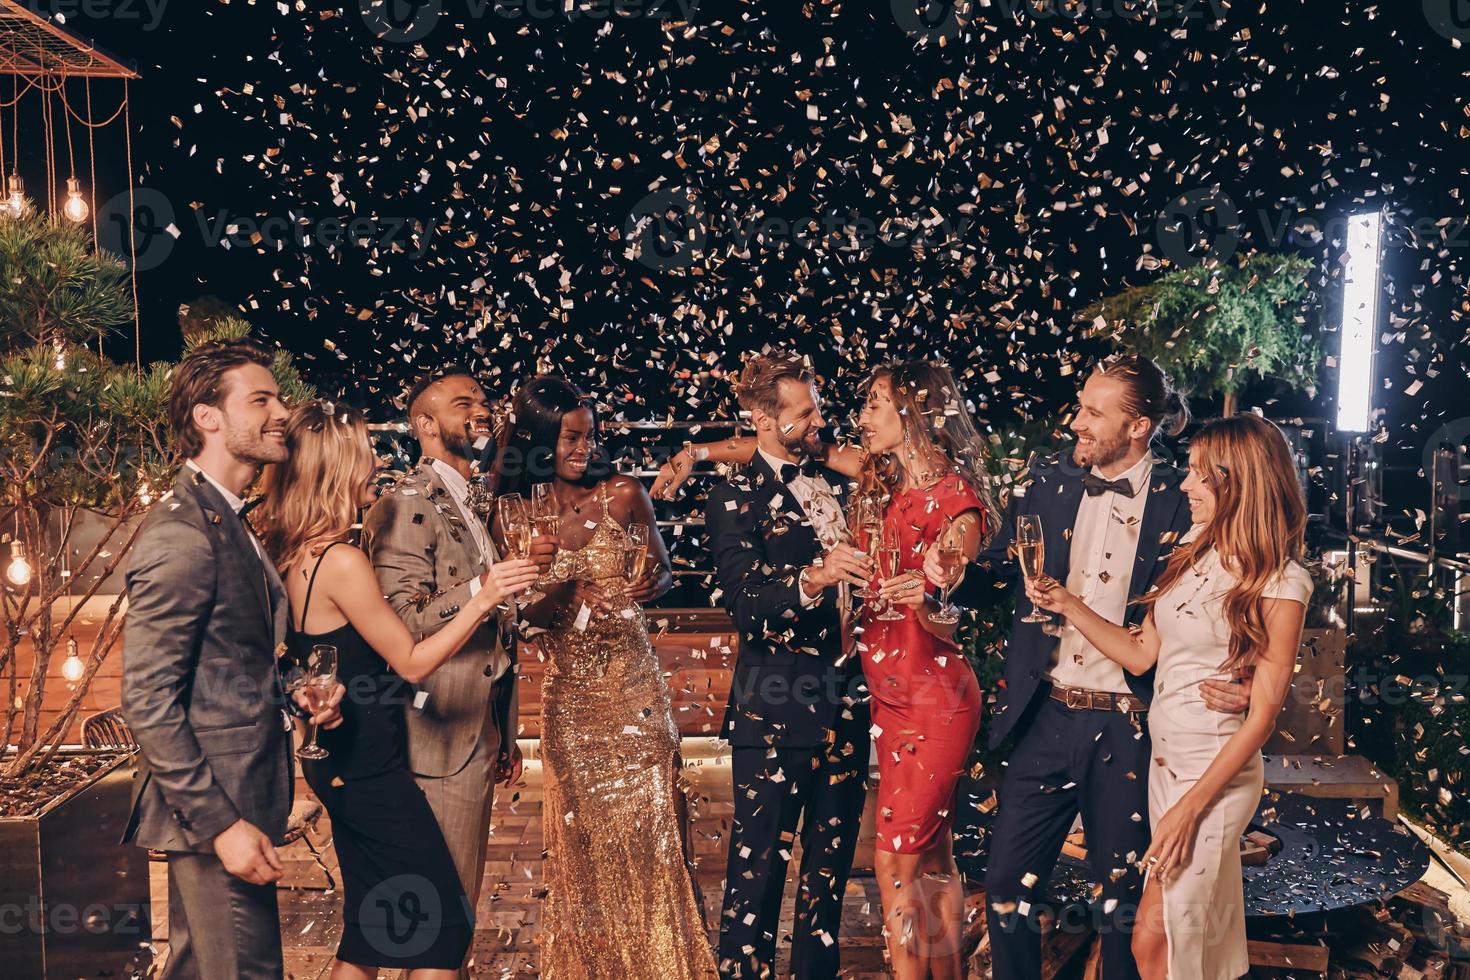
pixel 1068 761
pixel 823 790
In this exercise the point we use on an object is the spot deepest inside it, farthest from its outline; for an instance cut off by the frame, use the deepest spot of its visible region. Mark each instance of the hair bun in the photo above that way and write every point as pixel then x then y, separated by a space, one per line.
pixel 1176 414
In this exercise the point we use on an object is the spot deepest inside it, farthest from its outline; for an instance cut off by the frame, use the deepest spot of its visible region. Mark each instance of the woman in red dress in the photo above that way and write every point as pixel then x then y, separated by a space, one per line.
pixel 921 460
pixel 924 457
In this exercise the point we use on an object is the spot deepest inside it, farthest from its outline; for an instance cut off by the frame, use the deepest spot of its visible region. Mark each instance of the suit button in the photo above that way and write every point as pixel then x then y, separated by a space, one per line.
pixel 1035 674
pixel 489 670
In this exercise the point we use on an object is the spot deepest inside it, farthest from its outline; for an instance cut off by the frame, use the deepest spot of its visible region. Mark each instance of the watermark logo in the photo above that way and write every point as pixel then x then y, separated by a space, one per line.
pixel 147 232
pixel 1450 19
pixel 1199 225
pixel 1453 434
pixel 667 229
pixel 406 21
pixel 403 913
pixel 1205 224
pixel 932 21
pixel 401 21
pixel 672 228
pixel 145 226
pixel 149 12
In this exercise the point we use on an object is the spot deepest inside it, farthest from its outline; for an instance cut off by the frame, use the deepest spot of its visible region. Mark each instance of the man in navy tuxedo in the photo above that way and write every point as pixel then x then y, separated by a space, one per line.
pixel 1110 514
pixel 797 719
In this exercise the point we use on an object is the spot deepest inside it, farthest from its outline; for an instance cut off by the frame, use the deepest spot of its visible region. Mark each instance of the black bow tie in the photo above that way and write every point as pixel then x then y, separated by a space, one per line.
pixel 807 467
pixel 1096 486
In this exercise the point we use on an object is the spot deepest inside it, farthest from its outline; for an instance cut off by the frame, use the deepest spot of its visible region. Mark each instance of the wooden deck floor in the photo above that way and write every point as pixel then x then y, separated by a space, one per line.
pixel 509 909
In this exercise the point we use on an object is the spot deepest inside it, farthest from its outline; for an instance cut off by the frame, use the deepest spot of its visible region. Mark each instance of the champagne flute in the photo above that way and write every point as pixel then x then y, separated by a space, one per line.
pixel 952 563
pixel 317 678
pixel 635 556
pixel 515 528
pixel 1031 549
pixel 866 526
pixel 545 522
pixel 890 553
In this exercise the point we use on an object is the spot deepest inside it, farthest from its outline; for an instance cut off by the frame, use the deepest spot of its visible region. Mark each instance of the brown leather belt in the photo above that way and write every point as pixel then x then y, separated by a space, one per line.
pixel 1081 697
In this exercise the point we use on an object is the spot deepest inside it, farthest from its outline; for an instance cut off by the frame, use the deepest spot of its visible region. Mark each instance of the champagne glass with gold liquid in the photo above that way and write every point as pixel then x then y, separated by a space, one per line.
pixel 1031 550
pixel 890 554
pixel 545 523
pixel 865 523
pixel 952 564
pixel 515 528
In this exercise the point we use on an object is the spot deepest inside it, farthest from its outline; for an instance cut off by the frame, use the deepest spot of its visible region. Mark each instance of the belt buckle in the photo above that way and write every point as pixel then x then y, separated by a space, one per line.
pixel 1074 697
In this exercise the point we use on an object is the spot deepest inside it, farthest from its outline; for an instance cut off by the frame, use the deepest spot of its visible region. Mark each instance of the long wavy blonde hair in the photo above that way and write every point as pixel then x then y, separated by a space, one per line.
pixel 931 409
pixel 313 496
pixel 1258 526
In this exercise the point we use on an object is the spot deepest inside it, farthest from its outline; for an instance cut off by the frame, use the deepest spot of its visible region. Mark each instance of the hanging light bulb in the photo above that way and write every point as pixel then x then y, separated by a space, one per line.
pixel 19 569
pixel 72 668
pixel 75 208
pixel 145 495
pixel 15 200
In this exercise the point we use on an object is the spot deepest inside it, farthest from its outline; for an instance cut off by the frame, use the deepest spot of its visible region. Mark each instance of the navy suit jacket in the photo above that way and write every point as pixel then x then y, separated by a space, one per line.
pixel 1053 491
pixel 791 684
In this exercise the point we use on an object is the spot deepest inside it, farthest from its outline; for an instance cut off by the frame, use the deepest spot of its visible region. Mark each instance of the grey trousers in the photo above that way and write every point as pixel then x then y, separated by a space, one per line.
pixel 219 927
pixel 461 803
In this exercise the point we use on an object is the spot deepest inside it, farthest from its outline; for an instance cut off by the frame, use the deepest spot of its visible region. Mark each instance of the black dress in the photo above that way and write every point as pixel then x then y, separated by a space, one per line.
pixel 403 904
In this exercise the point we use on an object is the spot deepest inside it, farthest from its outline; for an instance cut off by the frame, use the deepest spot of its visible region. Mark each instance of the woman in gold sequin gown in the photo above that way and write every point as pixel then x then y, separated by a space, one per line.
pixel 621 899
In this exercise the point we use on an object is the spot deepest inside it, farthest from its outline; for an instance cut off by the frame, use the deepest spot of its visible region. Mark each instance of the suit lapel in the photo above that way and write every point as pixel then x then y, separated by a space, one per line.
pixel 1159 513
pixel 223 516
pixel 450 518
pixel 1064 500
pixel 787 520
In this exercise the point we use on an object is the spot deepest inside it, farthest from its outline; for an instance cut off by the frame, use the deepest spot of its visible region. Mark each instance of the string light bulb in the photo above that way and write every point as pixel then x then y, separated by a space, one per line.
pixel 15 199
pixel 72 667
pixel 75 208
pixel 18 572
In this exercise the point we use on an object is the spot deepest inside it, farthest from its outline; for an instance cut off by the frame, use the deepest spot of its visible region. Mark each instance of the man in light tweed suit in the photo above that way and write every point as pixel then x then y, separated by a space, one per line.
pixel 432 551
pixel 206 618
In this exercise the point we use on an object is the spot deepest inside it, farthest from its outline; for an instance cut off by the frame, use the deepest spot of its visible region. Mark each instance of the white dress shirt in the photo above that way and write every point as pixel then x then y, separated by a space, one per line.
pixel 459 492
pixel 815 496
pixel 236 504
pixel 1104 551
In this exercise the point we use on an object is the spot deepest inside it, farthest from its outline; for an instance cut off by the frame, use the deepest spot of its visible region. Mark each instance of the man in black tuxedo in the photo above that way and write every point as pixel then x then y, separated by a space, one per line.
pixel 1110 514
pixel 797 719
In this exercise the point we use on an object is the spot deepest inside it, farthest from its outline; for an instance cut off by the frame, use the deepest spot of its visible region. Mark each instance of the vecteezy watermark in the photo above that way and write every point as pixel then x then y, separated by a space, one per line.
pixel 936 21
pixel 1198 225
pixel 150 12
pixel 932 21
pixel 1205 224
pixel 403 913
pixel 407 21
pixel 1454 434
pixel 149 231
pixel 64 918
pixel 1450 19
pixel 672 229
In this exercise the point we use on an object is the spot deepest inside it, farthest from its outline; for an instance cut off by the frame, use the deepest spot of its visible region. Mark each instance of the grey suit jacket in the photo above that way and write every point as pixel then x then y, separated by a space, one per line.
pixel 425 558
pixel 205 621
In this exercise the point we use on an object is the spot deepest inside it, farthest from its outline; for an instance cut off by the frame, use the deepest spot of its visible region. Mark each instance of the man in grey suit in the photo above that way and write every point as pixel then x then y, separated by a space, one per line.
pixel 432 551
pixel 206 618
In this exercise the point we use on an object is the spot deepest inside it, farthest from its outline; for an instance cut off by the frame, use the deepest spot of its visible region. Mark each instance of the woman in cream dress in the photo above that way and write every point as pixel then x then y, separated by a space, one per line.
pixel 1234 595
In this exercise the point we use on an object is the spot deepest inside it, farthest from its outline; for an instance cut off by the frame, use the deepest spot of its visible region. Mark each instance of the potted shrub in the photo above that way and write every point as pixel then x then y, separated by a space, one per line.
pixel 83 453
pixel 1215 328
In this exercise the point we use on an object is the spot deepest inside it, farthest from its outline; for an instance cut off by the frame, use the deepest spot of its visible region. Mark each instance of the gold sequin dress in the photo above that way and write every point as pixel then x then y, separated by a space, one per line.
pixel 620 900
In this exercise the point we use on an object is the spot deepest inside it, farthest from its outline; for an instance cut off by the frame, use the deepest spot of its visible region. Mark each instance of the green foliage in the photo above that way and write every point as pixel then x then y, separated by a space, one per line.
pixel 1215 329
pixel 78 433
pixel 55 288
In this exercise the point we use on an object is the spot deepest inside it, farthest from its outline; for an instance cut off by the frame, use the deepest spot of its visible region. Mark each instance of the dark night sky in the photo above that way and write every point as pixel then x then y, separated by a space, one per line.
pixel 1038 147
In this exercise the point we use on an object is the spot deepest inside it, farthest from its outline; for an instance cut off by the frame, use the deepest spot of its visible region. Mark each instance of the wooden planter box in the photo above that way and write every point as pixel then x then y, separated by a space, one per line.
pixel 73 901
